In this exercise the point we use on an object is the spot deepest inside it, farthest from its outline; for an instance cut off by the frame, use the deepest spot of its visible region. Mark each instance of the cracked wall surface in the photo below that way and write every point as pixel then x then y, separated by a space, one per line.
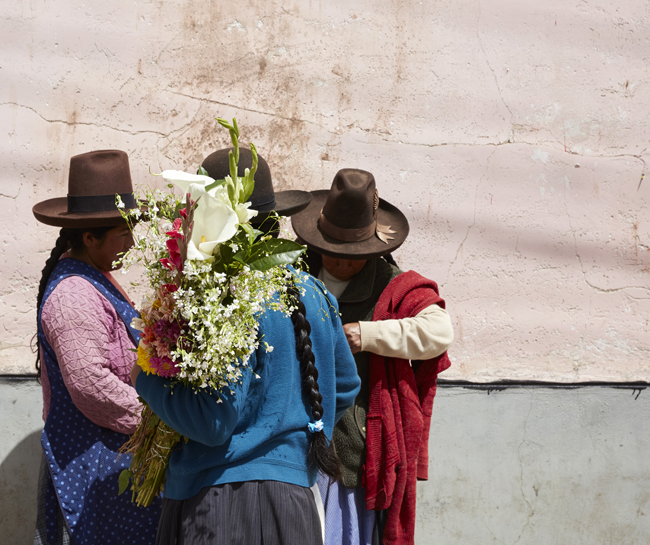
pixel 512 134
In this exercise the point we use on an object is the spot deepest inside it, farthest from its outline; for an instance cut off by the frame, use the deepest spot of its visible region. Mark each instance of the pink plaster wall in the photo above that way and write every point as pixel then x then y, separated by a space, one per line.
pixel 513 135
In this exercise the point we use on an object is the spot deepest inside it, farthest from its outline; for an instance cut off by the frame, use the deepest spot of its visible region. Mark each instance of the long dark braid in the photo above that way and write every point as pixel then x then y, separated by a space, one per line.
pixel 69 239
pixel 320 452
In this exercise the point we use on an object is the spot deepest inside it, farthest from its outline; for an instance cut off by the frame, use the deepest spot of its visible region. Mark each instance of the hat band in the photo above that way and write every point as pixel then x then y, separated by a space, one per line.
pixel 346 235
pixel 80 204
pixel 263 205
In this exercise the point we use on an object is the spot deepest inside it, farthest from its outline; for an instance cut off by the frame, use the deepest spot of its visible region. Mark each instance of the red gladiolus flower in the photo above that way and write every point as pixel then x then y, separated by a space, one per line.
pixel 168 288
pixel 175 227
pixel 175 254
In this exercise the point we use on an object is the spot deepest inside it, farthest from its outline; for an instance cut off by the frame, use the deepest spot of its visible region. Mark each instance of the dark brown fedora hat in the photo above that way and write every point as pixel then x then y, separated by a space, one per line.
pixel 263 199
pixel 350 221
pixel 94 180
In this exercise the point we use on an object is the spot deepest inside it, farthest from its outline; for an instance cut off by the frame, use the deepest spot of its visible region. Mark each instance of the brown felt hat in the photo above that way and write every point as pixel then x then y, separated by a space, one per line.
pixel 263 199
pixel 350 221
pixel 94 180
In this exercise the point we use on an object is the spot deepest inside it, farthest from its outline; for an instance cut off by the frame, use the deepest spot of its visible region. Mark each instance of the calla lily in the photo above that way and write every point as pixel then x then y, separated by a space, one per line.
pixel 183 180
pixel 214 222
pixel 193 253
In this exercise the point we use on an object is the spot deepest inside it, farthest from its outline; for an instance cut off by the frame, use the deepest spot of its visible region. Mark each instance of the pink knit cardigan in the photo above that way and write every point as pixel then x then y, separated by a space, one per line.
pixel 92 347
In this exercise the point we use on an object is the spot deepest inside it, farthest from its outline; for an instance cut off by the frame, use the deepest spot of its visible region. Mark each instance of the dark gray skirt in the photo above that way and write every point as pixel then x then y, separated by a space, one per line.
pixel 249 513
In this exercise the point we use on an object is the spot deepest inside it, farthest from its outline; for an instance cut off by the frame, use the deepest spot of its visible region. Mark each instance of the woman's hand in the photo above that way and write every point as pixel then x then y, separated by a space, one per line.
pixel 353 334
pixel 135 371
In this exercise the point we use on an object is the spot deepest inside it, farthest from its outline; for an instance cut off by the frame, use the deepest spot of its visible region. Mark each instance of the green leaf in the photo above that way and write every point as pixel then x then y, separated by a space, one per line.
pixel 125 478
pixel 274 252
pixel 234 126
pixel 202 171
pixel 225 259
pixel 251 232
pixel 214 184
pixel 275 246
pixel 149 482
pixel 284 258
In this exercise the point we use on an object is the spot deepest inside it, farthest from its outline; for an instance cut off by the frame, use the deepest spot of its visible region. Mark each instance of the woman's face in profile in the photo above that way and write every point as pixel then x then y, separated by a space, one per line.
pixel 104 251
pixel 342 269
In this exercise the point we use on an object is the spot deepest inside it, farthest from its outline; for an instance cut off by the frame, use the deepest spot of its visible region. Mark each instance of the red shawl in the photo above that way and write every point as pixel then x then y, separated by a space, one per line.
pixel 399 414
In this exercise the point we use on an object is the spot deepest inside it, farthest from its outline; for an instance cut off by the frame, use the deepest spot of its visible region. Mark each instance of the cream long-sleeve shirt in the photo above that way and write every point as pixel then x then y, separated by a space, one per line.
pixel 425 336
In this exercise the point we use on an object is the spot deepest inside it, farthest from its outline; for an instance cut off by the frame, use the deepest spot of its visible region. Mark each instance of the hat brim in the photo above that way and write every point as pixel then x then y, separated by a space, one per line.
pixel 287 203
pixel 305 225
pixel 55 212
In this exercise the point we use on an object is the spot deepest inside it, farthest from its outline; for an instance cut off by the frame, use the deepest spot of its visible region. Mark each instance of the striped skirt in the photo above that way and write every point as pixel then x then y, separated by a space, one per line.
pixel 248 513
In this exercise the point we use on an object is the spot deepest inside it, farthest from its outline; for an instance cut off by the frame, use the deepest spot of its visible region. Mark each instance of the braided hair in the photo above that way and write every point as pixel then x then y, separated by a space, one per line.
pixel 320 451
pixel 69 239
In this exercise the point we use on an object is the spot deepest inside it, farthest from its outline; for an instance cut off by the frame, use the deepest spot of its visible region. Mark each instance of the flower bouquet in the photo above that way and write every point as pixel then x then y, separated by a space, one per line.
pixel 211 274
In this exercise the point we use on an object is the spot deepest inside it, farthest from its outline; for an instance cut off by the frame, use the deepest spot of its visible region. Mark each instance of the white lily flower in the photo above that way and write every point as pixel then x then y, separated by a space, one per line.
pixel 183 180
pixel 214 221
pixel 244 213
pixel 193 253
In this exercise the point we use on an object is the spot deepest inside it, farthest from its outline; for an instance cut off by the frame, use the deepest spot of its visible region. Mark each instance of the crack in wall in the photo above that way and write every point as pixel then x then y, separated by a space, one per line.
pixel 487 61
pixel 541 143
pixel 521 467
pixel 582 268
pixel 186 126
pixel 237 107
pixel 382 135
pixel 460 247
pixel 98 125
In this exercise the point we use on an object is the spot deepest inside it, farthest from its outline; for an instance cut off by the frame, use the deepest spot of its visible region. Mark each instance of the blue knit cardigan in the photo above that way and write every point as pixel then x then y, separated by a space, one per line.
pixel 259 432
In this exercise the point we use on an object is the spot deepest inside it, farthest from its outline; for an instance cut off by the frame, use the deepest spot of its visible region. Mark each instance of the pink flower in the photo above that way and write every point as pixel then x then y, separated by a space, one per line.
pixel 167 332
pixel 162 350
pixel 164 367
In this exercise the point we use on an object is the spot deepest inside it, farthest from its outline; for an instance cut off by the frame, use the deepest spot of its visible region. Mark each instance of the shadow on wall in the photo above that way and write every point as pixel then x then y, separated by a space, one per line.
pixel 18 484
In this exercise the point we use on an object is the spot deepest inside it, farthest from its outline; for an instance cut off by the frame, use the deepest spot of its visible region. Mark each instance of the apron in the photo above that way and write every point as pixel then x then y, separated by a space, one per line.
pixel 82 456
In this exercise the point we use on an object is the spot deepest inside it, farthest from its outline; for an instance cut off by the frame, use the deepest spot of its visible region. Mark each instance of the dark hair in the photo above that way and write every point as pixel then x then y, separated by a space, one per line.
pixel 320 451
pixel 69 239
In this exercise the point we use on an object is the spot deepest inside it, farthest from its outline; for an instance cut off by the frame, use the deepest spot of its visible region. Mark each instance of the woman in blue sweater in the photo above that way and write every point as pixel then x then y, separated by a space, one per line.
pixel 244 476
